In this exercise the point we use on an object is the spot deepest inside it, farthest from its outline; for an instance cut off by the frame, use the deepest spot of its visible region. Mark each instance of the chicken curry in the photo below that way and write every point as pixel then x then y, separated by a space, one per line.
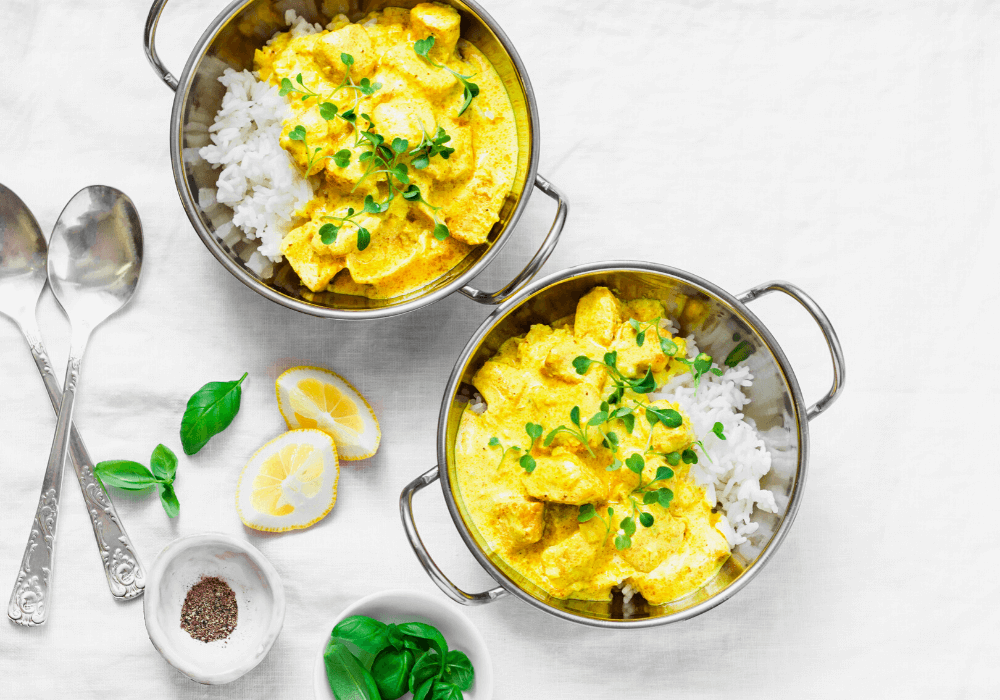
pixel 572 475
pixel 408 136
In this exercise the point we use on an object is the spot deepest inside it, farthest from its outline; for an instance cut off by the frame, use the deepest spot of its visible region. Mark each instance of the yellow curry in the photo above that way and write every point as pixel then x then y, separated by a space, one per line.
pixel 575 479
pixel 408 135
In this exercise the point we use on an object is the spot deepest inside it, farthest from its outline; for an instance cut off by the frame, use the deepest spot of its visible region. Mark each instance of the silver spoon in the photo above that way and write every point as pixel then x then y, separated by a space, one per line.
pixel 22 281
pixel 94 259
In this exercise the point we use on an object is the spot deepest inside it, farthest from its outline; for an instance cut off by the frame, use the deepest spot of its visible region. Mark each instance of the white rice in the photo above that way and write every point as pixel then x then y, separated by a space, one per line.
pixel 259 180
pixel 732 469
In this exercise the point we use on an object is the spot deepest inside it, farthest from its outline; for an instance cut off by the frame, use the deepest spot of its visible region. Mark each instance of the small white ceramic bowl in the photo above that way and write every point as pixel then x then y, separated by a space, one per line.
pixel 411 606
pixel 260 598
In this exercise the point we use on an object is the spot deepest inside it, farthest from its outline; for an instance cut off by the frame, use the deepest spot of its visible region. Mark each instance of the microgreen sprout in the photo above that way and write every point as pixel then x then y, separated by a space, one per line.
pixel 668 346
pixel 700 366
pixel 589 512
pixel 469 89
pixel 412 194
pixel 644 385
pixel 580 432
pixel 328 232
pixel 495 442
pixel 429 147
pixel 299 134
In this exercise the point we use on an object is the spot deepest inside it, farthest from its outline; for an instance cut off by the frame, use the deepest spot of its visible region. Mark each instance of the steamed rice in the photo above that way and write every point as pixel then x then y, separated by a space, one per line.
pixel 259 180
pixel 730 470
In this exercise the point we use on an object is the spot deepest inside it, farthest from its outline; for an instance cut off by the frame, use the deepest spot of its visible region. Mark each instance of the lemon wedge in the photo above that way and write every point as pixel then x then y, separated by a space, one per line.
pixel 312 397
pixel 290 483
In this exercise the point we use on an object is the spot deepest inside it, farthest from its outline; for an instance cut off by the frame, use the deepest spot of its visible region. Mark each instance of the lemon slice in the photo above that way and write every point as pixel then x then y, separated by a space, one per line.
pixel 290 483
pixel 312 397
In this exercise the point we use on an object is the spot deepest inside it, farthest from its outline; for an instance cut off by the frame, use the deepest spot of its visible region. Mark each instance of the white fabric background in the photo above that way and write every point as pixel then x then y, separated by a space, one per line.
pixel 848 147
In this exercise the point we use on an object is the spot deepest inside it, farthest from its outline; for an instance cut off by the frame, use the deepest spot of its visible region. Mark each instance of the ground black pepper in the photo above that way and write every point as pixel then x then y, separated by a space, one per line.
pixel 209 611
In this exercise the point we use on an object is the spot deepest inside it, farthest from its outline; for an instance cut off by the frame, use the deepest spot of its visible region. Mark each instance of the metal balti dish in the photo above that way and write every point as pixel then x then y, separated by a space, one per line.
pixel 713 315
pixel 229 42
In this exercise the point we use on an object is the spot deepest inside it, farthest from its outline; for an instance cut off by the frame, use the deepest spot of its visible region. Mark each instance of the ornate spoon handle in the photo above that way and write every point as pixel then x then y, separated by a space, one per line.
pixel 126 577
pixel 29 601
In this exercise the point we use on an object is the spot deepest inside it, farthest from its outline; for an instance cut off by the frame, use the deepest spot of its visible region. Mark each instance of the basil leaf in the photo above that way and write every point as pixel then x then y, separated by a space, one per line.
pixel 209 412
pixel 424 631
pixel 391 672
pixel 163 463
pixel 366 633
pixel 444 690
pixel 423 692
pixel 123 474
pixel 426 668
pixel 458 669
pixel 169 500
pixel 348 679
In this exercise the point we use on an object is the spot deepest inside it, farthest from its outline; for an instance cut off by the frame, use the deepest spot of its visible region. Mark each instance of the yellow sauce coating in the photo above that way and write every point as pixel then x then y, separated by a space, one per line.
pixel 415 98
pixel 530 520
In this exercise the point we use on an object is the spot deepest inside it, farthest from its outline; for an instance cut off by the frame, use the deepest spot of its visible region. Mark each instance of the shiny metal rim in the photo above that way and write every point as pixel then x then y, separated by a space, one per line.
pixel 709 288
pixel 215 247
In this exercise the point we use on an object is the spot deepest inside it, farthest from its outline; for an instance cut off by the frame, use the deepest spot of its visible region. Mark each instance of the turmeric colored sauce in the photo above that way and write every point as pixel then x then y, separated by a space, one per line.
pixel 384 87
pixel 532 519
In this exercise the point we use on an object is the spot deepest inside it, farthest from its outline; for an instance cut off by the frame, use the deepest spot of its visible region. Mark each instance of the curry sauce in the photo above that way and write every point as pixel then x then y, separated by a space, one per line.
pixel 354 82
pixel 556 476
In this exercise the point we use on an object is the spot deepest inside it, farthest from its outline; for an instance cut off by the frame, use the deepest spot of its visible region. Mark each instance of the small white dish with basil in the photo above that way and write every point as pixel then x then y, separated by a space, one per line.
pixel 383 644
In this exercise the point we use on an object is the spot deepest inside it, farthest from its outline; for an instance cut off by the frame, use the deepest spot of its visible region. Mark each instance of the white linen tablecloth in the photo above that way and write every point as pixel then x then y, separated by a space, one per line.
pixel 850 148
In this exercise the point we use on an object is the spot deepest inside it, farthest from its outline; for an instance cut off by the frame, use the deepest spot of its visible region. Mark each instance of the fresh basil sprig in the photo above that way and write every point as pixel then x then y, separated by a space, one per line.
pixel 209 411
pixel 132 476
pixel 408 657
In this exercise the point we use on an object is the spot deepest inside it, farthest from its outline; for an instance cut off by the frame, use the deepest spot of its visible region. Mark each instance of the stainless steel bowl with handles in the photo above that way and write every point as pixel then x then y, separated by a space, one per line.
pixel 229 42
pixel 714 316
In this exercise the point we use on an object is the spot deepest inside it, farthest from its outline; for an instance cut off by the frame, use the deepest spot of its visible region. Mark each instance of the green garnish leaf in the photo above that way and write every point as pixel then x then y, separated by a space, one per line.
pixel 629 421
pixel 668 347
pixel 582 364
pixel 400 145
pixel 209 411
pixel 628 525
pixel 597 419
pixel 622 542
pixel 665 496
pixel 635 463
pixel 649 498
pixel 640 338
pixel 527 463
pixel 347 59
pixel 328 233
pixel 391 672
pixel 423 46
pixel 364 238
pixel 494 441
pixel 345 674
pixel 441 232
pixel 328 111
pixel 298 133
pixel 574 415
pixel 458 670
pixel 168 499
pixel 663 473
pixel 646 519
pixel 342 158
pixel 364 632
pixel 587 512
pixel 534 430
pixel 673 458
pixel 615 465
pixel 717 429
pixel 163 463
pixel 124 474
pixel 689 456
pixel 286 87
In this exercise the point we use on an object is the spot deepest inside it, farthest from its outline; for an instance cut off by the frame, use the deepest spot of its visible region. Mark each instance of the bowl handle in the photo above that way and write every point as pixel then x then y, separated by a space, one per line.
pixel 148 39
pixel 830 335
pixel 548 245
pixel 442 581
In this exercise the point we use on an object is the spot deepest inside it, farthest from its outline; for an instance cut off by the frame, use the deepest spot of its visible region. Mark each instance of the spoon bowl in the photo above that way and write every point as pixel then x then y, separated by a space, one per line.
pixel 95 255
pixel 22 259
